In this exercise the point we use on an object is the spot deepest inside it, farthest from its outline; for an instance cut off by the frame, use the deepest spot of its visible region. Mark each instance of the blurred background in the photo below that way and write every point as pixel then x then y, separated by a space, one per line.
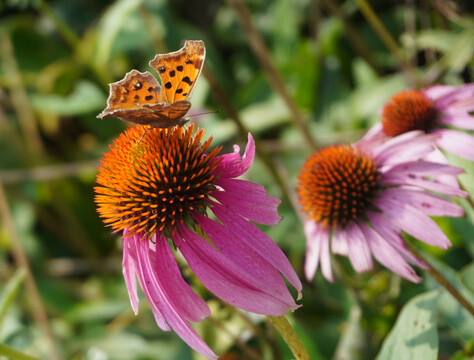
pixel 297 74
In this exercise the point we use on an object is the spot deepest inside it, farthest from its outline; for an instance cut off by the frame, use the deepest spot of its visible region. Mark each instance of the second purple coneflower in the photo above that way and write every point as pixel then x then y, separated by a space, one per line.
pixel 359 198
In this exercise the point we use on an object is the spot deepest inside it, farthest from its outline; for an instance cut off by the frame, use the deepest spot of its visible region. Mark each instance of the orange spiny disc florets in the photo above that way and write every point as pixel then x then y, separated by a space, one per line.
pixel 336 185
pixel 406 111
pixel 153 184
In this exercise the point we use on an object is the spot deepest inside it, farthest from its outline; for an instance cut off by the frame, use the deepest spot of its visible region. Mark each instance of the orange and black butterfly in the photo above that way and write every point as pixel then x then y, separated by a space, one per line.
pixel 140 99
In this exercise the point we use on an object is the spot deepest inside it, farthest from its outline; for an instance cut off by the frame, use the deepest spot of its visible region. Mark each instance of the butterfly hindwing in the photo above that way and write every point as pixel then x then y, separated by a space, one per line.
pixel 180 70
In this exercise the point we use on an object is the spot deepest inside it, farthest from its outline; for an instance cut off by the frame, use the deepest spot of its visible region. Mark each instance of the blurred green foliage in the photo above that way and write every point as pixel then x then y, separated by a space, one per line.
pixel 57 58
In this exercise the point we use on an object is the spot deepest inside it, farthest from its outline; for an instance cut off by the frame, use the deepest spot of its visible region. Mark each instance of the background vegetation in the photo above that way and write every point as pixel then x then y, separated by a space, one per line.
pixel 324 67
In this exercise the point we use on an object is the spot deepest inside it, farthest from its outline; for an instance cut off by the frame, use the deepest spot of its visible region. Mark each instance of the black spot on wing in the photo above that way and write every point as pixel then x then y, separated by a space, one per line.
pixel 188 61
pixel 150 89
pixel 138 86
pixel 125 91
pixel 137 97
pixel 179 91
pixel 172 73
pixel 148 98
pixel 161 69
pixel 185 94
pixel 168 85
pixel 180 68
pixel 187 80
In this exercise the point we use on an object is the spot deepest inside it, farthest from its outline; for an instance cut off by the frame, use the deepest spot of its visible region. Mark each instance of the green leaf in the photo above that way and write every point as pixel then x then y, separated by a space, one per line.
pixel 414 335
pixel 85 98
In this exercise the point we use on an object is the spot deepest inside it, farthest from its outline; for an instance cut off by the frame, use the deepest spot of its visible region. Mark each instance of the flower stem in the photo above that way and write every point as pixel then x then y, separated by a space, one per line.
pixel 291 338
pixel 442 280
pixel 13 354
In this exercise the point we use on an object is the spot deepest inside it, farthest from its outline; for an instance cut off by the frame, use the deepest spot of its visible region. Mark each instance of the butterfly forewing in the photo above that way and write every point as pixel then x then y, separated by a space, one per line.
pixel 180 70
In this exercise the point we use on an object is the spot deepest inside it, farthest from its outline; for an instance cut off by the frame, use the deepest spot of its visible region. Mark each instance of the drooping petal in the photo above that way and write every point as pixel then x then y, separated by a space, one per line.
pixel 326 257
pixel 225 279
pixel 314 235
pixel 339 242
pixel 359 251
pixel 245 257
pixel 159 298
pixel 392 234
pixel 456 142
pixel 187 303
pixel 437 156
pixel 428 203
pixel 248 200
pixel 386 255
pixel 233 165
pixel 258 241
pixel 129 274
pixel 413 221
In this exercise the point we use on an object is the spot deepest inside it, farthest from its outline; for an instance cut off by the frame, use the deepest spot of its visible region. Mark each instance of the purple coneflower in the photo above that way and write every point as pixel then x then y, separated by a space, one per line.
pixel 165 189
pixel 441 110
pixel 360 198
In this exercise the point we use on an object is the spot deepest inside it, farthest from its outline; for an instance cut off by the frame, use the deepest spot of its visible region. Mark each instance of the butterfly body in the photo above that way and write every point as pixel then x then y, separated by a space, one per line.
pixel 140 99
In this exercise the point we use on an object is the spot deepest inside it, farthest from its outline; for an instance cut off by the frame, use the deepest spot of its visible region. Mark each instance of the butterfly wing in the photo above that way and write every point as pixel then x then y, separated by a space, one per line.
pixel 180 70
pixel 130 97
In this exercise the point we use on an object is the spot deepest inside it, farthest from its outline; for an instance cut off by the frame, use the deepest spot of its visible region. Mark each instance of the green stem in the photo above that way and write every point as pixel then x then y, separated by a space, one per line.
pixel 442 280
pixel 291 338
pixel 13 354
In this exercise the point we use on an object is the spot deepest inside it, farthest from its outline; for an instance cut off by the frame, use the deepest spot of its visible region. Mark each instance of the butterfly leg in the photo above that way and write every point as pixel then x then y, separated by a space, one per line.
pixel 143 135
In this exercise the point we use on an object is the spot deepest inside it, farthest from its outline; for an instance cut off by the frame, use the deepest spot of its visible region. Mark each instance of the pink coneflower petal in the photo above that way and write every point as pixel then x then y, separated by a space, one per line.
pixel 437 91
pixel 326 258
pixel 258 241
pixel 387 255
pixel 382 225
pixel 414 222
pixel 233 165
pixel 456 142
pixel 359 251
pixel 436 156
pixel 156 295
pixel 461 97
pixel 459 118
pixel 188 304
pixel 129 274
pixel 428 203
pixel 224 278
pixel 314 235
pixel 339 242
pixel 404 147
pixel 248 200
pixel 255 265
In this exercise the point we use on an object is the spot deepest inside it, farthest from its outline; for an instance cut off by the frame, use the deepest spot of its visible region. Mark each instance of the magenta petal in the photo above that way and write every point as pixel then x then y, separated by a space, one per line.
pixel 129 274
pixel 359 251
pixel 258 241
pixel 245 257
pixel 456 142
pixel 413 221
pixel 224 278
pixel 232 165
pixel 437 91
pixel 427 203
pixel 248 200
pixel 459 119
pixel 406 147
pixel 386 255
pixel 461 97
pixel 436 156
pixel 314 236
pixel 187 303
pixel 391 234
pixel 156 295
pixel 339 242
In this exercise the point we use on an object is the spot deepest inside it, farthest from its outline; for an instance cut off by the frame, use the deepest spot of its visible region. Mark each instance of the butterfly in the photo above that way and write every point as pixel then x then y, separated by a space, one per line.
pixel 140 99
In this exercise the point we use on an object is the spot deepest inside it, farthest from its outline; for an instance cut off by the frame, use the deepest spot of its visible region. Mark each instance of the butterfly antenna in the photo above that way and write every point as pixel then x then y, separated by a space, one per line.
pixel 144 133
pixel 205 113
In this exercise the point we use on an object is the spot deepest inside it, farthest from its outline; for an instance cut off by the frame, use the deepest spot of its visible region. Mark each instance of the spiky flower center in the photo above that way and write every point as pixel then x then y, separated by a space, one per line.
pixel 154 184
pixel 336 185
pixel 406 111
